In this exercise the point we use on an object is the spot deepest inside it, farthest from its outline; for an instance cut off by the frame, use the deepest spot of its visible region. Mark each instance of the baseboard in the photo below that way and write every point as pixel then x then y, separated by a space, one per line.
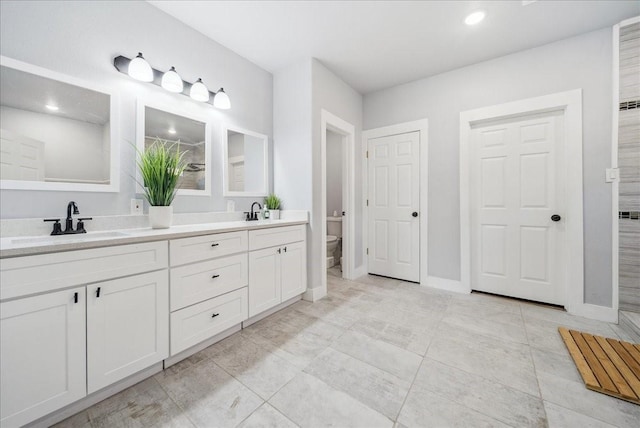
pixel 271 311
pixel 96 397
pixel 359 271
pixel 174 359
pixel 446 284
pixel 595 312
pixel 314 294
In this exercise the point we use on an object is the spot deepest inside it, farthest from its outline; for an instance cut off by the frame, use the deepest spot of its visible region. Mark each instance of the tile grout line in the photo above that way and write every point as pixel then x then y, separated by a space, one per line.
pixel 533 363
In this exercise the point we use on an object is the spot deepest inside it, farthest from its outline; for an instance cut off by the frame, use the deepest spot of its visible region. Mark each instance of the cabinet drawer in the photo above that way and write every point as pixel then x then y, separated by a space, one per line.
pixel 198 248
pixel 264 238
pixel 21 276
pixel 192 325
pixel 201 281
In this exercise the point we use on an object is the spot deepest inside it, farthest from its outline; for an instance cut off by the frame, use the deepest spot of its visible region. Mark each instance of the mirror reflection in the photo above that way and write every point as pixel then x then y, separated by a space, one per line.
pixel 246 163
pixel 191 136
pixel 52 131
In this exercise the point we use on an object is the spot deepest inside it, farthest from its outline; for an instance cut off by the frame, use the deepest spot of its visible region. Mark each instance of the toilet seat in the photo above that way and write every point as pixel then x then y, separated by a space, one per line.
pixel 331 238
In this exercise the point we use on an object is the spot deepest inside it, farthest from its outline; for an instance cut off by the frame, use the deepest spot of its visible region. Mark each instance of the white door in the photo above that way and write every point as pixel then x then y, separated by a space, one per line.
pixel 517 186
pixel 127 327
pixel 394 202
pixel 21 158
pixel 42 355
pixel 293 272
pixel 264 280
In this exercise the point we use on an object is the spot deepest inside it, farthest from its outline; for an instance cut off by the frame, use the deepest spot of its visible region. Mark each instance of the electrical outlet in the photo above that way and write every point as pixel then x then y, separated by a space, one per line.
pixel 231 206
pixel 136 206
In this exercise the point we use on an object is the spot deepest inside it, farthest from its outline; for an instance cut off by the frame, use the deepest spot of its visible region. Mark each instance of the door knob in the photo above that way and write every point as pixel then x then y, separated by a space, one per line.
pixel 414 214
pixel 555 217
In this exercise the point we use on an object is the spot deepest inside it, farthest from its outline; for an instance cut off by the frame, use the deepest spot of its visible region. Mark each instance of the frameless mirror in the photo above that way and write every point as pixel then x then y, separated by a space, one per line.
pixel 245 162
pixel 189 134
pixel 56 132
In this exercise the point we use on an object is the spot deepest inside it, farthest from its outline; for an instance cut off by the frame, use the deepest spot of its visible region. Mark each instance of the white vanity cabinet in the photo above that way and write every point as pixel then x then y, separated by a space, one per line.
pixel 278 272
pixel 66 342
pixel 127 327
pixel 42 355
pixel 210 295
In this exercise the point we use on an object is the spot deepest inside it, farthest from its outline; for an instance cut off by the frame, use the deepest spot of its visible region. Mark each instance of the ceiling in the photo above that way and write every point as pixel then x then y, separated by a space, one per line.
pixel 373 45
pixel 157 124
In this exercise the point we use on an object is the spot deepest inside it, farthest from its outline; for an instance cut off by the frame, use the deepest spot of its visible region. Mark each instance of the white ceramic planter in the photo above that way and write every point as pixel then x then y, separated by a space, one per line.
pixel 160 217
pixel 274 214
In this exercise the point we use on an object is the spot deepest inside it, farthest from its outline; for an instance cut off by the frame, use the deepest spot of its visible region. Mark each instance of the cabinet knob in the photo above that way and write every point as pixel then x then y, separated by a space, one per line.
pixel 215 276
pixel 285 249
pixel 279 250
pixel 75 297
pixel 556 217
pixel 214 315
pixel 98 292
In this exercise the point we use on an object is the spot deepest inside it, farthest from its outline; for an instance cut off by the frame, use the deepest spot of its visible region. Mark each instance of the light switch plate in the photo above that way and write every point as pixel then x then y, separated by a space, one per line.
pixel 136 206
pixel 231 206
pixel 611 175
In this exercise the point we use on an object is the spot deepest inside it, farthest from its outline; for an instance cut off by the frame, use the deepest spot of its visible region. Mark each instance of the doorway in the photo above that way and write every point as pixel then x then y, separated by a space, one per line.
pixel 337 202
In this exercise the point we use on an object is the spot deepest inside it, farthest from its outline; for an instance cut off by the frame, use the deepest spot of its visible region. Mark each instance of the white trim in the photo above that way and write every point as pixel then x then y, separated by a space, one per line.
pixel 142 104
pixel 615 184
pixel 360 271
pixel 114 131
pixel 315 294
pixel 446 284
pixel 570 103
pixel 225 169
pixel 595 312
pixel 331 122
pixel 421 126
pixel 629 21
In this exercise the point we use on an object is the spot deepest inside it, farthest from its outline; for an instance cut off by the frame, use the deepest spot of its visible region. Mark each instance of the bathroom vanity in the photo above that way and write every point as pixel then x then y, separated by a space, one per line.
pixel 81 316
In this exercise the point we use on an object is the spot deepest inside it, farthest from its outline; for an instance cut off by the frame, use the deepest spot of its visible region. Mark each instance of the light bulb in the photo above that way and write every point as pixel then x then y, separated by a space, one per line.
pixel 172 81
pixel 474 18
pixel 221 100
pixel 52 107
pixel 199 91
pixel 140 69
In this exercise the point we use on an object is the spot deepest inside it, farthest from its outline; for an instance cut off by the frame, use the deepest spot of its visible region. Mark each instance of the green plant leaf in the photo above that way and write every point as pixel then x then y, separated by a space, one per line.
pixel 161 165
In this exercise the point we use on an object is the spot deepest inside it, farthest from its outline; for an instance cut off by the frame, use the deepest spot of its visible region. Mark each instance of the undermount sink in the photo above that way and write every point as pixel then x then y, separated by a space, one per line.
pixel 65 238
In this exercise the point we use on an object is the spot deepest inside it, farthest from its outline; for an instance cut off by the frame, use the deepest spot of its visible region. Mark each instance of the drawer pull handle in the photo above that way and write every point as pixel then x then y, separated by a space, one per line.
pixel 75 297
pixel 98 292
pixel 214 315
pixel 215 244
pixel 215 276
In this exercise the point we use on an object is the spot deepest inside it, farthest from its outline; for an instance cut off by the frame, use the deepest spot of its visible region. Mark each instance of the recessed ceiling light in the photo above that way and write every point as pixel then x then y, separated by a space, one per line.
pixel 52 107
pixel 172 131
pixel 475 18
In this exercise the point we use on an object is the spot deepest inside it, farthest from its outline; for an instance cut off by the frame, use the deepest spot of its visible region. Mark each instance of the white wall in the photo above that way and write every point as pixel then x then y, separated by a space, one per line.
pixel 73 149
pixel 579 62
pixel 334 173
pixel 82 38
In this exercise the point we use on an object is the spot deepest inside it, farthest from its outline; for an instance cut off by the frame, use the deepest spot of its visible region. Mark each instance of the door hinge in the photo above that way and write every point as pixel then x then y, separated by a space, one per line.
pixel 367 251
pixel 367 154
pixel 367 202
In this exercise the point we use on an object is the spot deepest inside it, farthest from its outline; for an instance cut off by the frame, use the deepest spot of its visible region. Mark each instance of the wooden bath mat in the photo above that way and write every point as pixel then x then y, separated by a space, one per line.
pixel 606 365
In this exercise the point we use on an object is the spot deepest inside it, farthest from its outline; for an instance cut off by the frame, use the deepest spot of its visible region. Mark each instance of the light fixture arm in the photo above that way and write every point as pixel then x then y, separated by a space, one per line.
pixel 121 63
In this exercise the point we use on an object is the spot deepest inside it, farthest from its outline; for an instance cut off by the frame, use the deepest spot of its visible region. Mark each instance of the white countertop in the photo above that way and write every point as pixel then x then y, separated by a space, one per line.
pixel 31 245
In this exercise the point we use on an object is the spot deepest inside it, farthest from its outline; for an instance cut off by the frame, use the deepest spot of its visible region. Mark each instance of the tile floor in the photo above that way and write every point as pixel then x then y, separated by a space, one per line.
pixel 379 353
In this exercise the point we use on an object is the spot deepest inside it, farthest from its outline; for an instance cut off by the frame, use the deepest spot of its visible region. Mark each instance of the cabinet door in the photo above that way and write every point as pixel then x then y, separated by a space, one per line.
pixel 42 355
pixel 293 267
pixel 127 327
pixel 264 280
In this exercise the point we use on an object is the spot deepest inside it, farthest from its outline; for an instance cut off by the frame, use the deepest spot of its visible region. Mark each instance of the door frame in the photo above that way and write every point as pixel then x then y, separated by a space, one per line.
pixel 331 122
pixel 422 127
pixel 570 103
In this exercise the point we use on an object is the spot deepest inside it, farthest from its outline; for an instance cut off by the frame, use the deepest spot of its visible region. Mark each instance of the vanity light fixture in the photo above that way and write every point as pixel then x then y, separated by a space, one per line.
pixel 52 107
pixel 171 81
pixel 475 17
pixel 221 100
pixel 140 69
pixel 199 92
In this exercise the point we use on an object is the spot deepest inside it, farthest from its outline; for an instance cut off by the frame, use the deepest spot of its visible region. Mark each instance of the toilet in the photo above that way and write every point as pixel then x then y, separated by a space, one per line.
pixel 334 235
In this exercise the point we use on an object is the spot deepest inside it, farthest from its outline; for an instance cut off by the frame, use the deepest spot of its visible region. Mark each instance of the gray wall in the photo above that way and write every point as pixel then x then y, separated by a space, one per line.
pixel 579 62
pixel 82 38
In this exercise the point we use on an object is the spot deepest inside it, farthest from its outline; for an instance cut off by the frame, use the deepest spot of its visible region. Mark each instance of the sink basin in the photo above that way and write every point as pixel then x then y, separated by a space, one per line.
pixel 67 238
